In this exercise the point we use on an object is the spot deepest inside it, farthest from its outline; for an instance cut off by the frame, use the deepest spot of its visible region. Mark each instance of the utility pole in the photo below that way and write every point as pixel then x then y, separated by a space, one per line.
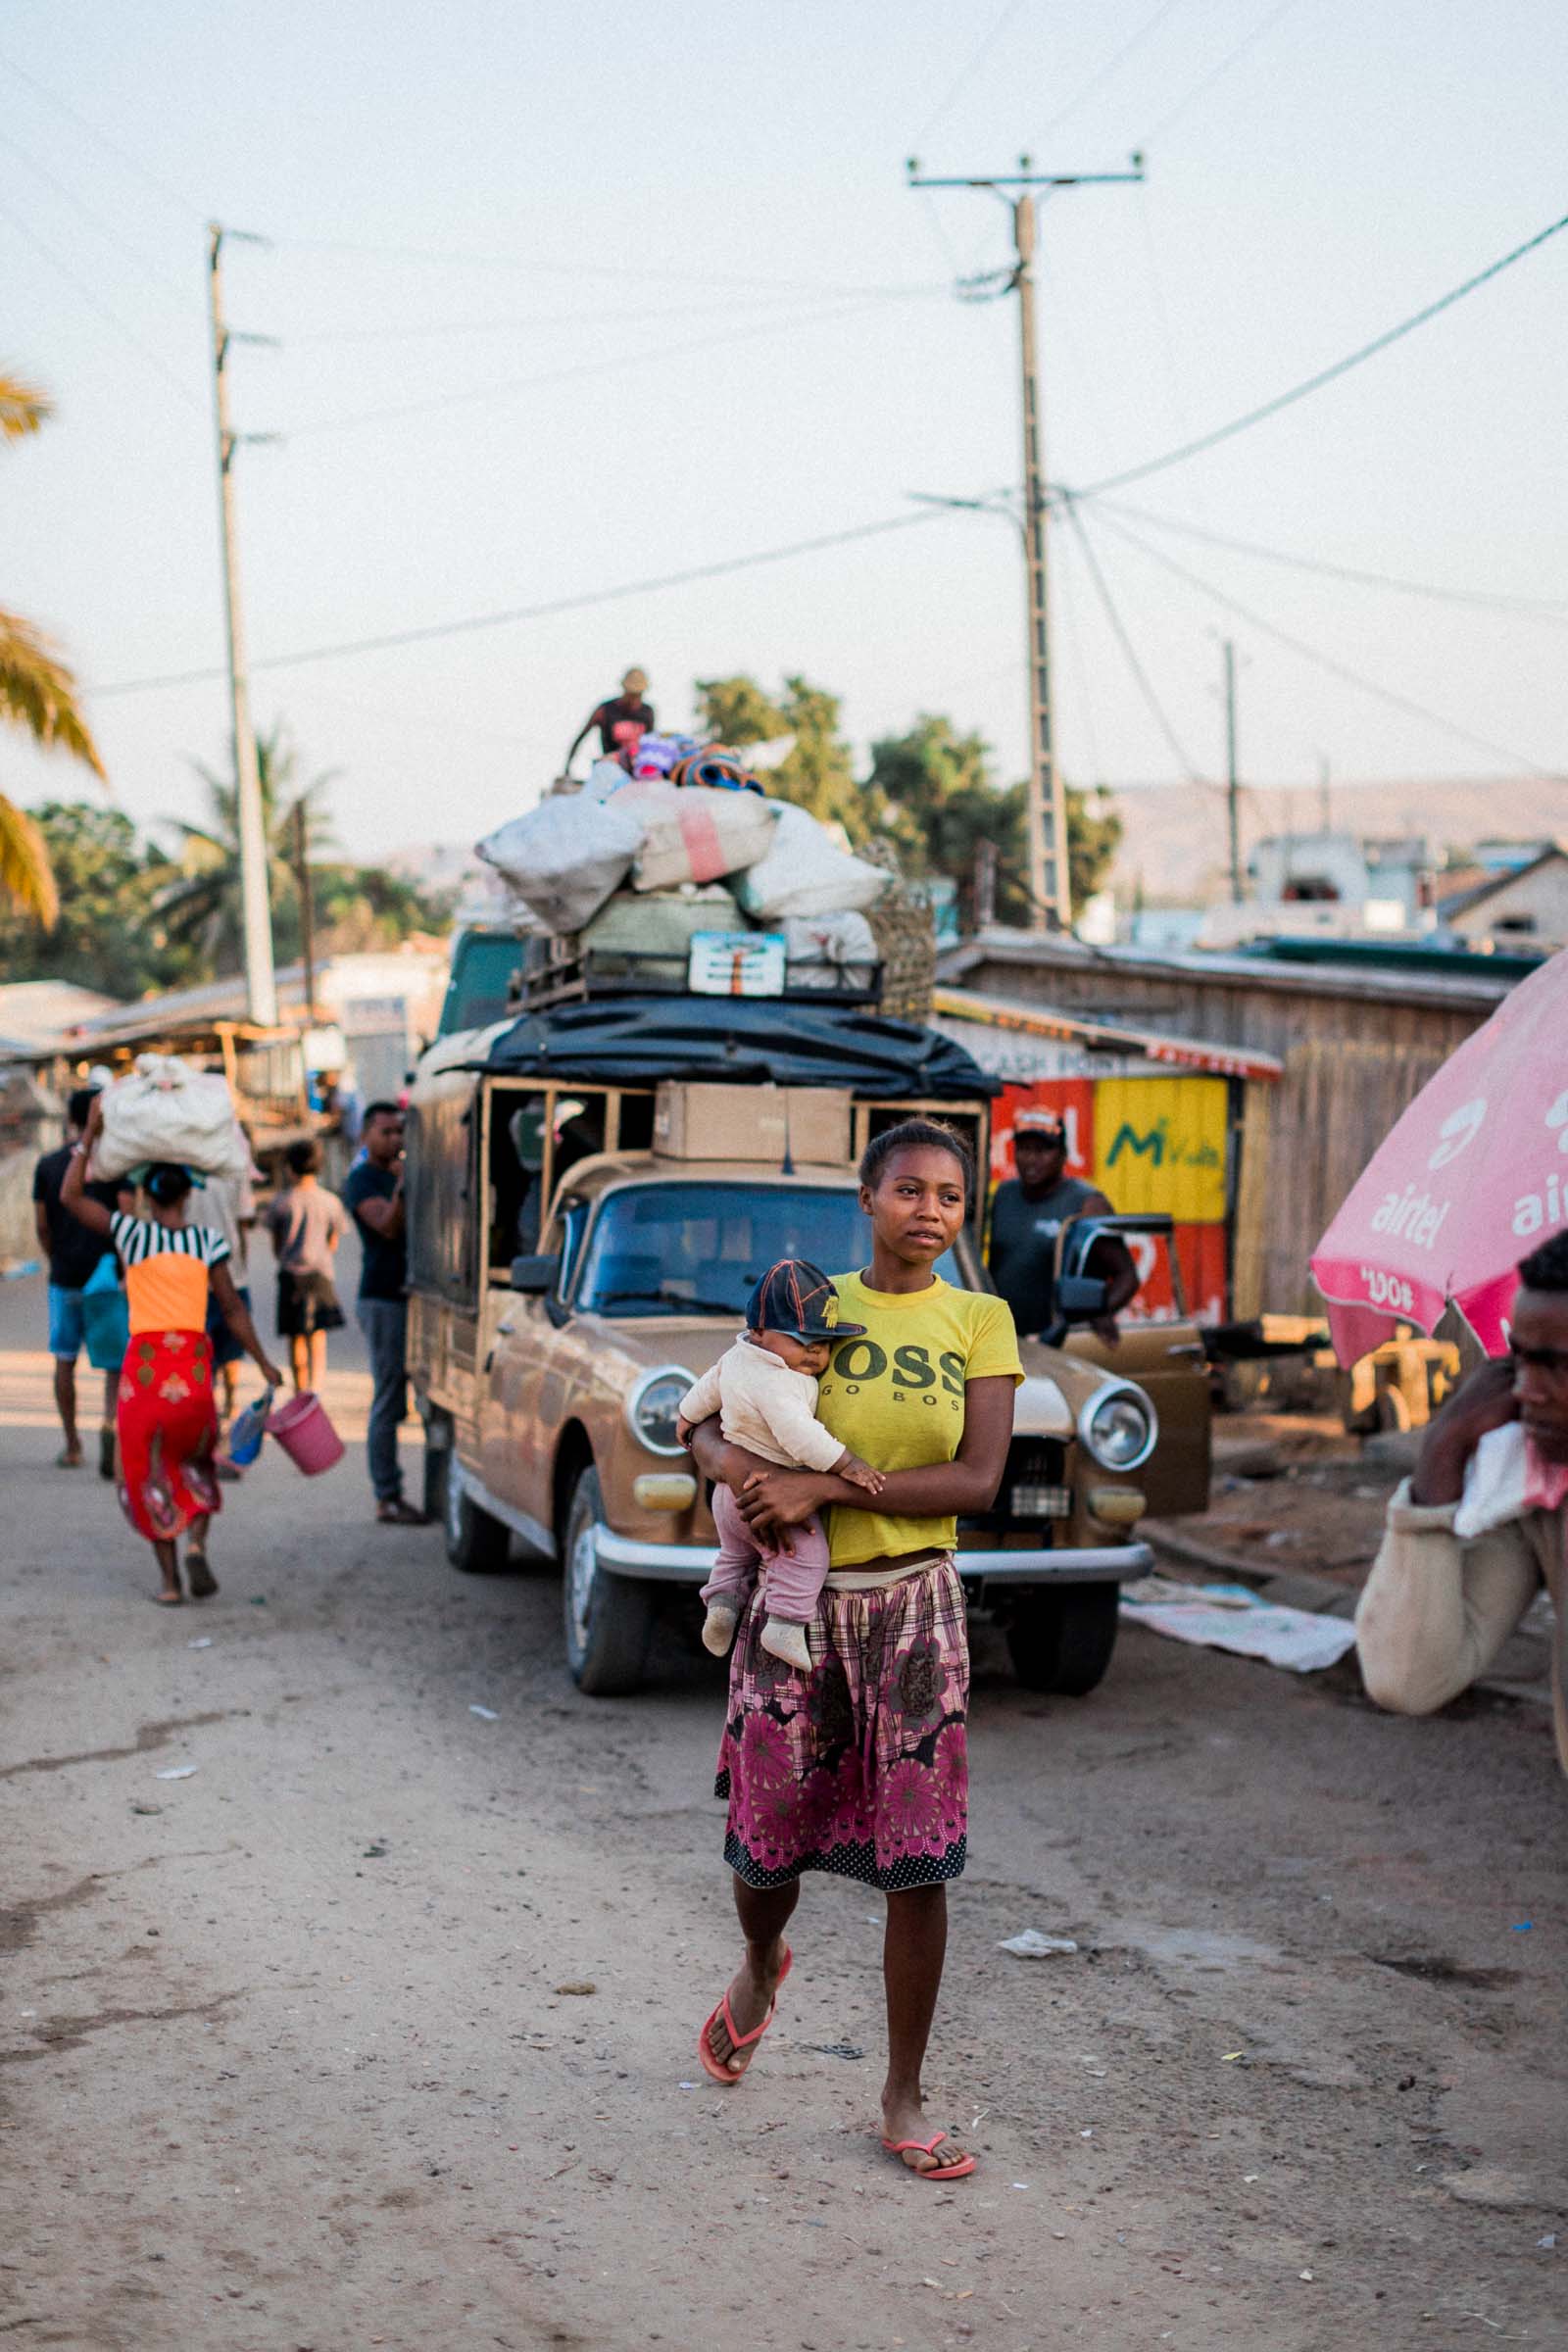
pixel 1233 789
pixel 260 986
pixel 1049 884
pixel 985 885
pixel 1324 812
pixel 301 876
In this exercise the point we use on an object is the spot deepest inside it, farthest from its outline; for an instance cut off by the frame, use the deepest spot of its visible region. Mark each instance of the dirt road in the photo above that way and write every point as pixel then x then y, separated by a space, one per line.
pixel 378 2028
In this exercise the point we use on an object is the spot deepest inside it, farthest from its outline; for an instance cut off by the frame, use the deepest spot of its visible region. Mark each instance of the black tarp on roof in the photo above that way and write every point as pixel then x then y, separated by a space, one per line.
pixel 635 1041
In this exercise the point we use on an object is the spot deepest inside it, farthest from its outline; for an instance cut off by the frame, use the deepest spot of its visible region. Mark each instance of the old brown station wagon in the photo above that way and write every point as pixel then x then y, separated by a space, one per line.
pixel 580 1250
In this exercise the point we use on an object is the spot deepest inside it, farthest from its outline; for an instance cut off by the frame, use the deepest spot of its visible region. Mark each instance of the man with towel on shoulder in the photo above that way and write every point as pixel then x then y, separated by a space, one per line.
pixel 1478 1529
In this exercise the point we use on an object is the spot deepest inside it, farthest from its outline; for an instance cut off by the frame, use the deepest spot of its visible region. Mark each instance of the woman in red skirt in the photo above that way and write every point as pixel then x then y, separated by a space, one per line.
pixel 168 1410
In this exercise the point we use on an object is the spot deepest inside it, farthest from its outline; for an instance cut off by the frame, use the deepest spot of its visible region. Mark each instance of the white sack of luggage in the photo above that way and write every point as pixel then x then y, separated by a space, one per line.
pixel 692 833
pixel 806 873
pixel 167 1111
pixel 565 858
pixel 830 951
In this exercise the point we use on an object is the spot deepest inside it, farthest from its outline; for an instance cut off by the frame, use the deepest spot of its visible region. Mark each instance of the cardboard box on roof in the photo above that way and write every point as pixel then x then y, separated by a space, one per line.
pixel 693 1120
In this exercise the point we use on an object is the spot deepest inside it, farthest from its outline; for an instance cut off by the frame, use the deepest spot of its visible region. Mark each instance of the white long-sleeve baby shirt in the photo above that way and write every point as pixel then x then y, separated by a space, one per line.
pixel 764 1406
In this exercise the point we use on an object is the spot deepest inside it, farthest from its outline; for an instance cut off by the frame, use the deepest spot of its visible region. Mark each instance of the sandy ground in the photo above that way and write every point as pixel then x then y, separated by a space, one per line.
pixel 378 2028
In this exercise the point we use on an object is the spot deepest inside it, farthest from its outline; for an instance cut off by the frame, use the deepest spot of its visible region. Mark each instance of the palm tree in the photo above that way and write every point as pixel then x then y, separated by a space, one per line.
pixel 204 909
pixel 38 694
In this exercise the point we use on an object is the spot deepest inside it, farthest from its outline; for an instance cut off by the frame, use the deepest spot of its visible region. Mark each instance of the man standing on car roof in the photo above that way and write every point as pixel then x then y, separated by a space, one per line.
pixel 621 722
pixel 1027 1217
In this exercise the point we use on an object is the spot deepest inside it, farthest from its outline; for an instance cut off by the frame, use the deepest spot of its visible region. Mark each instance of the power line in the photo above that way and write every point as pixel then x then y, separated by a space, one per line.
pixel 1114 65
pixel 1129 651
pixel 104 227
pixel 455 258
pixel 1326 375
pixel 1540 607
pixel 965 76
pixel 101 308
pixel 1075 651
pixel 111 147
pixel 1327 662
pixel 1231 57
pixel 441 327
pixel 572 370
pixel 543 612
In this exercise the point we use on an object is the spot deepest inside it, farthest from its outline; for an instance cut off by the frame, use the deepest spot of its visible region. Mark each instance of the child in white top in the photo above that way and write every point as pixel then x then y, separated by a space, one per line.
pixel 763 1391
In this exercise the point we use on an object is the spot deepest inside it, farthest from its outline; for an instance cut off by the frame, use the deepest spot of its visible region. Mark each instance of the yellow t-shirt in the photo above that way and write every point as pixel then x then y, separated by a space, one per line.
pixel 895 1397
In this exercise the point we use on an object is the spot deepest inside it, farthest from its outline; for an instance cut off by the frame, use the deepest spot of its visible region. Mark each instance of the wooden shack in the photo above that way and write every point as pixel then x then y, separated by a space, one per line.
pixel 1354 1046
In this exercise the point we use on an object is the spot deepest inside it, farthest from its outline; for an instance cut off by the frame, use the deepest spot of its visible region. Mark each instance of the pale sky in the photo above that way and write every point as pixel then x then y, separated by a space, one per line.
pixel 673 261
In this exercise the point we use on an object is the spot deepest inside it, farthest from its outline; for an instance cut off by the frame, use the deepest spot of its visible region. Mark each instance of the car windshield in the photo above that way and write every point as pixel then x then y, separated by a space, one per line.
pixel 684 1249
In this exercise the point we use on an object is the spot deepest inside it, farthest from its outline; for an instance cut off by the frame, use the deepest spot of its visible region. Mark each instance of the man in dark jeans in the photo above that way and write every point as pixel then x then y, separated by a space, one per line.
pixel 374 1194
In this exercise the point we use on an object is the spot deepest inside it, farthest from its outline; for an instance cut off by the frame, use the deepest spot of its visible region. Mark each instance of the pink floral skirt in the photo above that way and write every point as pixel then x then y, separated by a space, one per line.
pixel 861 1767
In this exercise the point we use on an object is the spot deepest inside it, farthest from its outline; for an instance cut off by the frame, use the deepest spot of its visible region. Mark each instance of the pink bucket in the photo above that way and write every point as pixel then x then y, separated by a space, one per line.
pixel 306 1435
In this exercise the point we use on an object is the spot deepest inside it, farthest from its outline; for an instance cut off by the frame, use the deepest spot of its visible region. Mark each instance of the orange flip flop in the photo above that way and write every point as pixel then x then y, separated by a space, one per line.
pixel 928 2147
pixel 741 2042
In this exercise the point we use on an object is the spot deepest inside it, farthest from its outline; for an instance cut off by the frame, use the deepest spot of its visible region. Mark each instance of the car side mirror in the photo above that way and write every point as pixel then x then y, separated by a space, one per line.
pixel 536 1276
pixel 1080 1297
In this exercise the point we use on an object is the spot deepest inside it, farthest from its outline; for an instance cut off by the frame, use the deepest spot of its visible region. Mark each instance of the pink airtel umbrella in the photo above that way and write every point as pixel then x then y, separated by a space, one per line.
pixel 1472 1178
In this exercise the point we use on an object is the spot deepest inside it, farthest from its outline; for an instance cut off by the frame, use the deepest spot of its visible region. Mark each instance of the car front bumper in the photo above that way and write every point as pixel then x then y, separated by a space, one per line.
pixel 693 1563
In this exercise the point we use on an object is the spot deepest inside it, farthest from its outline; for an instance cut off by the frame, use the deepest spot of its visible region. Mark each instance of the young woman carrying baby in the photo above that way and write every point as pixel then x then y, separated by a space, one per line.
pixel 859 1765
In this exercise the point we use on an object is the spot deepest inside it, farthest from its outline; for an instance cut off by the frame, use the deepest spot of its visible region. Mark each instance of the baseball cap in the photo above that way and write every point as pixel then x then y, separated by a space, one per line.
pixel 796 1298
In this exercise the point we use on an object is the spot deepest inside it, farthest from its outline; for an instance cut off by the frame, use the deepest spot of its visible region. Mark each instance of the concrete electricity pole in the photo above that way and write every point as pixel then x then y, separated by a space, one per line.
pixel 1233 789
pixel 260 987
pixel 1049 884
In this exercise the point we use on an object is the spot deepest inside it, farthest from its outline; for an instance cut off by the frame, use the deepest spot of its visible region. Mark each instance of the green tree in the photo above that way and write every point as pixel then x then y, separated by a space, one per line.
pixel 202 906
pixel 818 773
pixel 39 695
pixel 107 935
pixel 942 785
pixel 364 907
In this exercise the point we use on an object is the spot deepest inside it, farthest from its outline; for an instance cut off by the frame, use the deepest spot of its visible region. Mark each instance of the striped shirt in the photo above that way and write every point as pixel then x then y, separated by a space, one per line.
pixel 165 1271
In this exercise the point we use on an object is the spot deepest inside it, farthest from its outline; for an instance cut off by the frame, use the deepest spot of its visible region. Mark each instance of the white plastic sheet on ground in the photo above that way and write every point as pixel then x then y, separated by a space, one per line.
pixel 1232 1617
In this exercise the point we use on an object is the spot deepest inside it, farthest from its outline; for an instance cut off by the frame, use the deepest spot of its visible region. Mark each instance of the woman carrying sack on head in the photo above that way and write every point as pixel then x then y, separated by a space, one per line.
pixel 167 1408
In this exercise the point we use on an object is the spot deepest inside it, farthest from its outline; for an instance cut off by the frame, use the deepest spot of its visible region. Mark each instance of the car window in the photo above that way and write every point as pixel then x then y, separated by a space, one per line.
pixel 669 1248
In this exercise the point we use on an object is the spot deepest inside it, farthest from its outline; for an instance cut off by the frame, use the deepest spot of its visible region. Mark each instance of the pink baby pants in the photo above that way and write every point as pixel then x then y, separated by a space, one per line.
pixel 792 1579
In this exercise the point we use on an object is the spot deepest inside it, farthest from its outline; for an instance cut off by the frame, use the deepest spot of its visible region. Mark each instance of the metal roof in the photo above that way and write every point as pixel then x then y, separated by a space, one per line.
pixel 963 1005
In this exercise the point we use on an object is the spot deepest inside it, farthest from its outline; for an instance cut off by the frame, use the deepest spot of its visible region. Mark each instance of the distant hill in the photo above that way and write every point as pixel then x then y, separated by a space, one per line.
pixel 1174 834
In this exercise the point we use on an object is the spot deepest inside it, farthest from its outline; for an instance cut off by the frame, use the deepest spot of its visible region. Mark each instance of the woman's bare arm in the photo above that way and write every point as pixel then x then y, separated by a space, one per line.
pixel 717 1458
pixel 771 1497
pixel 238 1315
pixel 74 1195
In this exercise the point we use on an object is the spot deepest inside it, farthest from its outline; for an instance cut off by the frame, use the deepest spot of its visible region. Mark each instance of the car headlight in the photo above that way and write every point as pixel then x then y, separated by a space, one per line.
pixel 653 1405
pixel 1119 1427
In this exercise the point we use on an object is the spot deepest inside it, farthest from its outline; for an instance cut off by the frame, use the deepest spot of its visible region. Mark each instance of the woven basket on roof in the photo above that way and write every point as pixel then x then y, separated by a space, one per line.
pixel 903 926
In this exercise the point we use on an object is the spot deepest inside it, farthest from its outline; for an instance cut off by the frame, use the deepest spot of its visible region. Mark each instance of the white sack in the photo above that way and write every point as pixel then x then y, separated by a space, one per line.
pixel 605 777
pixel 806 873
pixel 565 858
pixel 836 939
pixel 167 1111
pixel 693 833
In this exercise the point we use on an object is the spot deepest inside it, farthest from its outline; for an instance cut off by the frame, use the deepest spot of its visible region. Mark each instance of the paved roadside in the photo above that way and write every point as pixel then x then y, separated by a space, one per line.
pixel 291 2054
